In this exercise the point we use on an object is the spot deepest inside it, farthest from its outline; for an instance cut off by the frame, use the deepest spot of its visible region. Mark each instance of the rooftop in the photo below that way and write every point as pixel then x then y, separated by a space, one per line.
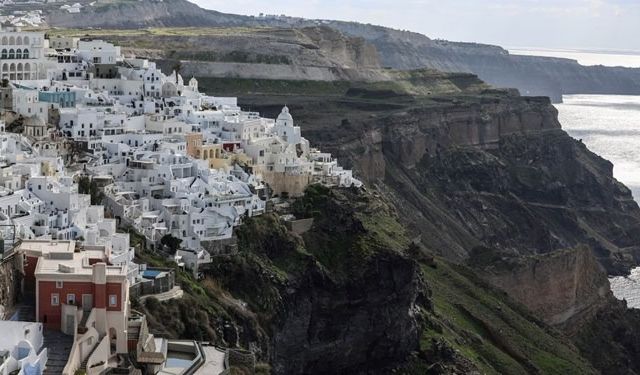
pixel 77 266
pixel 46 247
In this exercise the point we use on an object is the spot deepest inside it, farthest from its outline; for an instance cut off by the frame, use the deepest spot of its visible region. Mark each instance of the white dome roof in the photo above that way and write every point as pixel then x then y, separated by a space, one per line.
pixel 285 115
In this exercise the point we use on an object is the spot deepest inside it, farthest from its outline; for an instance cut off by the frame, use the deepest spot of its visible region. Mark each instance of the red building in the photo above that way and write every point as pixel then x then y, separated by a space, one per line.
pixel 77 290
pixel 77 283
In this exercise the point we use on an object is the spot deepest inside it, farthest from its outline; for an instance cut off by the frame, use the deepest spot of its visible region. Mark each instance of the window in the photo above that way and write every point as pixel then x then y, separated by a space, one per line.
pixel 113 300
pixel 59 284
pixel 55 299
pixel 71 299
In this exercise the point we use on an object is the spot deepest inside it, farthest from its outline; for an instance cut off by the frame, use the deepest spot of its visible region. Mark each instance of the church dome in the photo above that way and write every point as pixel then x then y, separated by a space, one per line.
pixel 285 115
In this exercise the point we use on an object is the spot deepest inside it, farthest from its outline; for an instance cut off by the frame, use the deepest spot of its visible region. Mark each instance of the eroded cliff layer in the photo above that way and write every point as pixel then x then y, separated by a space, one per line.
pixel 492 169
pixel 564 288
pixel 398 49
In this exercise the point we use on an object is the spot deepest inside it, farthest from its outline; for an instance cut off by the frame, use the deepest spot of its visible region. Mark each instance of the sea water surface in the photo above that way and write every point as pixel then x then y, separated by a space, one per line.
pixel 629 59
pixel 610 126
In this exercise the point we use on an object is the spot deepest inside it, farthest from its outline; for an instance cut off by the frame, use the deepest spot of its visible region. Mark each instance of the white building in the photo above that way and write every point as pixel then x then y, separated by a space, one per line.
pixel 99 52
pixel 21 348
pixel 22 54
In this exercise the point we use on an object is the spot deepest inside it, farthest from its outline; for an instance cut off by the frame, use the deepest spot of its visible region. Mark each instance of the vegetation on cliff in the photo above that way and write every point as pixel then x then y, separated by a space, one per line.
pixel 462 184
pixel 488 330
pixel 350 280
pixel 610 341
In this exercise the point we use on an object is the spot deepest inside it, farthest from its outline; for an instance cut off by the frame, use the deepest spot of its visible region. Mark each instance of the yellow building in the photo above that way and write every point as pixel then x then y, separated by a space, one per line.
pixel 215 154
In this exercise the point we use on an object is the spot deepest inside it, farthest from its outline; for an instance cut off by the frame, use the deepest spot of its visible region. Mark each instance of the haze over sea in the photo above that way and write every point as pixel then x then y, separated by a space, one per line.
pixel 629 59
pixel 610 126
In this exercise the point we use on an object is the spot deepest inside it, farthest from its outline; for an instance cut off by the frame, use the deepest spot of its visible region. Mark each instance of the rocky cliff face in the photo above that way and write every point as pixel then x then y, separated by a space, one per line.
pixel 495 170
pixel 564 288
pixel 544 76
pixel 340 299
pixel 10 280
pixel 397 49
pixel 146 13
pixel 492 170
pixel 311 53
pixel 363 324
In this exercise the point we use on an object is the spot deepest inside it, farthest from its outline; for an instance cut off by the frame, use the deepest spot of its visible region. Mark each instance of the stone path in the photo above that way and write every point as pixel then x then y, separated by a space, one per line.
pixel 24 313
pixel 58 348
pixel 175 292
pixel 213 362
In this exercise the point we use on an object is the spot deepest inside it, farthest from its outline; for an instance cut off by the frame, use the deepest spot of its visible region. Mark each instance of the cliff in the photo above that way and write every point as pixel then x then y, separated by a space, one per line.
pixel 341 298
pixel 132 14
pixel 347 303
pixel 311 53
pixel 564 288
pixel 534 76
pixel 354 295
pixel 474 328
pixel 492 169
pixel 10 282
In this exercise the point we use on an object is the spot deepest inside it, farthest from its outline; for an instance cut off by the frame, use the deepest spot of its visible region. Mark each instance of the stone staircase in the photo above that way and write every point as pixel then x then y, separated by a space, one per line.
pixel 25 313
pixel 58 349
pixel 83 365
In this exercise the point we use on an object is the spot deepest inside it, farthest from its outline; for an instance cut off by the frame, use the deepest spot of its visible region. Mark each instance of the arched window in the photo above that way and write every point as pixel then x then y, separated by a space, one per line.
pixel 5 41
pixel 5 67
pixel 12 54
pixel 19 40
pixel 19 67
pixel 25 54
pixel 12 67
pixel 4 53
pixel 25 41
pixel 12 40
pixel 18 53
pixel 27 67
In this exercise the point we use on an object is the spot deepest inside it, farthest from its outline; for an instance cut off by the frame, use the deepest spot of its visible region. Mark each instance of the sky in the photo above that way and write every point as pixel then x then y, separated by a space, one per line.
pixel 612 25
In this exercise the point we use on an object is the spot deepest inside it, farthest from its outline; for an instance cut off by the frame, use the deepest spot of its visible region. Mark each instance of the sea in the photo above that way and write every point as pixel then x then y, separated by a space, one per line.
pixel 610 126
pixel 629 59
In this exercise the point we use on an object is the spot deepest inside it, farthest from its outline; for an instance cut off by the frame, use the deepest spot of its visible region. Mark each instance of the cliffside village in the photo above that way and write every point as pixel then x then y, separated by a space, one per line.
pixel 92 141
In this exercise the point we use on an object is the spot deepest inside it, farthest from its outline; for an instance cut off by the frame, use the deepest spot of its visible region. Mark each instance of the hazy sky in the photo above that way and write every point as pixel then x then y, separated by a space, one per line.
pixel 594 24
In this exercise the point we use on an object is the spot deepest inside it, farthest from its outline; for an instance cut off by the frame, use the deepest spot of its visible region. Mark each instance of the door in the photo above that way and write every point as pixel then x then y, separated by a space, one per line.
pixel 70 324
pixel 87 302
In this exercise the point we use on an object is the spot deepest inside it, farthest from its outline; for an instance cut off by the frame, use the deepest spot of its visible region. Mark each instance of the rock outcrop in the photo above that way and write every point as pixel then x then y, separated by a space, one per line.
pixel 348 327
pixel 564 288
pixel 494 170
pixel 340 299
pixel 10 283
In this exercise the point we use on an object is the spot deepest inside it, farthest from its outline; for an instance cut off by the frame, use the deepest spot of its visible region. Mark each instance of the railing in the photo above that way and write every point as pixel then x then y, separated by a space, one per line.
pixel 74 355
pixel 97 359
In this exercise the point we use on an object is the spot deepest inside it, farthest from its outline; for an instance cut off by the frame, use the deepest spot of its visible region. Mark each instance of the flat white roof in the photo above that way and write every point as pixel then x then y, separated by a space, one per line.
pixel 44 247
pixel 76 267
